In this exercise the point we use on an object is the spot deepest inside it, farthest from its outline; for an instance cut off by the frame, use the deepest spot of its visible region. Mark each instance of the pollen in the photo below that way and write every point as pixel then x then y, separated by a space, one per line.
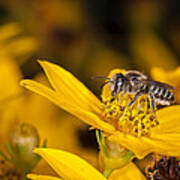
pixel 138 119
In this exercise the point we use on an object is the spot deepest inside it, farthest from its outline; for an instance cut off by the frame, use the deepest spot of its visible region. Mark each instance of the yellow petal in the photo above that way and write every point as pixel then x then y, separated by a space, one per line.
pixel 93 120
pixel 52 123
pixel 87 117
pixel 164 139
pixel 167 134
pixel 41 90
pixel 128 172
pixel 41 177
pixel 70 88
pixel 169 120
pixel 163 75
pixel 22 46
pixel 69 166
pixel 52 119
pixel 139 146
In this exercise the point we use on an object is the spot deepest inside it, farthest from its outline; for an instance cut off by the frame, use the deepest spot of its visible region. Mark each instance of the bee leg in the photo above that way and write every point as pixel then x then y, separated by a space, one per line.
pixel 112 99
pixel 123 94
pixel 135 98
pixel 153 103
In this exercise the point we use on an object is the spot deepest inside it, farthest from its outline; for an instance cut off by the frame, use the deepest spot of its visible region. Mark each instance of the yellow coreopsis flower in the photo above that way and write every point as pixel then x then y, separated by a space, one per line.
pixel 69 166
pixel 137 130
pixel 50 121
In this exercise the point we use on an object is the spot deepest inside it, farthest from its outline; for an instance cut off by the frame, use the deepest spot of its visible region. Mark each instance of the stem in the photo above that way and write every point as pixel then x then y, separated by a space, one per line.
pixel 107 173
pixel 101 142
pixel 130 155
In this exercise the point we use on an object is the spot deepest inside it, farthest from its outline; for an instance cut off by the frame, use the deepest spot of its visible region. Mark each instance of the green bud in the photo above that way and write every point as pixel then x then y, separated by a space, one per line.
pixel 22 140
pixel 112 155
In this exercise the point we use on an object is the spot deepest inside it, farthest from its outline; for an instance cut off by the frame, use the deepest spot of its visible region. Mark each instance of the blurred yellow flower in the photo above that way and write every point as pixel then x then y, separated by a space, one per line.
pixel 159 135
pixel 171 77
pixel 8 31
pixel 14 45
pixel 52 123
pixel 149 51
pixel 48 119
pixel 70 166
pixel 10 94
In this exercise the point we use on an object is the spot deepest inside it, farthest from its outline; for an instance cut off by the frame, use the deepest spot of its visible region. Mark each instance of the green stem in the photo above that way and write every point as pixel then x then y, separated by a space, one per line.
pixel 101 142
pixel 130 155
pixel 107 173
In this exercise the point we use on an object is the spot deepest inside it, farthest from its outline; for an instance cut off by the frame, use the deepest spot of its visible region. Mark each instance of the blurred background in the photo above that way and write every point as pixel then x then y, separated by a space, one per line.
pixel 88 38
pixel 91 37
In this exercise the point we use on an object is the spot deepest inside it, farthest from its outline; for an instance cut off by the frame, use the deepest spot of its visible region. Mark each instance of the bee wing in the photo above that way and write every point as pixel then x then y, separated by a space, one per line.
pixel 134 73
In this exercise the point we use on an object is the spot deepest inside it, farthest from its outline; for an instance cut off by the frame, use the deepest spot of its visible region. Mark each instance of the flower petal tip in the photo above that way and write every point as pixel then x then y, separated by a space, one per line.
pixel 40 61
pixel 22 83
pixel 44 62
pixel 30 176
pixel 38 150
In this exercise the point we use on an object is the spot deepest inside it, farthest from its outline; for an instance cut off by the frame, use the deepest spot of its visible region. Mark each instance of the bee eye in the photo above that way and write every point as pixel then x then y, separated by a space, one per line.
pixel 134 79
pixel 119 75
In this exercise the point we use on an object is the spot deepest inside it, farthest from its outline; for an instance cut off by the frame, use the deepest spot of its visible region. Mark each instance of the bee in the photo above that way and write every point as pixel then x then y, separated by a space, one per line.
pixel 135 82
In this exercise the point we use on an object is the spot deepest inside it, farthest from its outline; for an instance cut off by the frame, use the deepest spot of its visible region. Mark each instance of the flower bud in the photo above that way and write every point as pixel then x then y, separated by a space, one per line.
pixel 23 138
pixel 112 156
pixel 26 136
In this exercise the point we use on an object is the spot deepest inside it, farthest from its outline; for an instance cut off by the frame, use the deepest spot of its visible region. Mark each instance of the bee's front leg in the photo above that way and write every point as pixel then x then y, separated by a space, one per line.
pixel 153 103
pixel 135 98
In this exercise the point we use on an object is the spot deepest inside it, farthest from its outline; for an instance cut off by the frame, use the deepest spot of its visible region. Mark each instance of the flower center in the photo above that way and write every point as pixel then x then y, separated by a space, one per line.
pixel 137 119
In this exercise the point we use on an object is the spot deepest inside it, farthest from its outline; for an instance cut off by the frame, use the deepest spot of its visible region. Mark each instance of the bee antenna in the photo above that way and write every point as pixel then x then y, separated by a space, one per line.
pixel 100 77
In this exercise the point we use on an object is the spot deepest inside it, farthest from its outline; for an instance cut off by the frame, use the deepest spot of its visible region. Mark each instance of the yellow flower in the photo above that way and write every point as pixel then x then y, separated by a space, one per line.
pixel 171 77
pixel 49 120
pixel 52 123
pixel 13 45
pixel 69 166
pixel 9 94
pixel 149 50
pixel 137 130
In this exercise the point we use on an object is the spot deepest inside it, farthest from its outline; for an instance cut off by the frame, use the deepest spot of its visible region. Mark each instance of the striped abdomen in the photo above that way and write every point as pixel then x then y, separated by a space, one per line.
pixel 162 94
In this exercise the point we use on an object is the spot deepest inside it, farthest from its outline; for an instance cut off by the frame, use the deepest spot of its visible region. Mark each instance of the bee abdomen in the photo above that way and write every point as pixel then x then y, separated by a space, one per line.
pixel 162 102
pixel 162 95
pixel 168 95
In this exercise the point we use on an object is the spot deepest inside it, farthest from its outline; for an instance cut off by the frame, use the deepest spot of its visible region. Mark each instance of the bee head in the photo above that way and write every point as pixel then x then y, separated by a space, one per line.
pixel 118 80
pixel 115 82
